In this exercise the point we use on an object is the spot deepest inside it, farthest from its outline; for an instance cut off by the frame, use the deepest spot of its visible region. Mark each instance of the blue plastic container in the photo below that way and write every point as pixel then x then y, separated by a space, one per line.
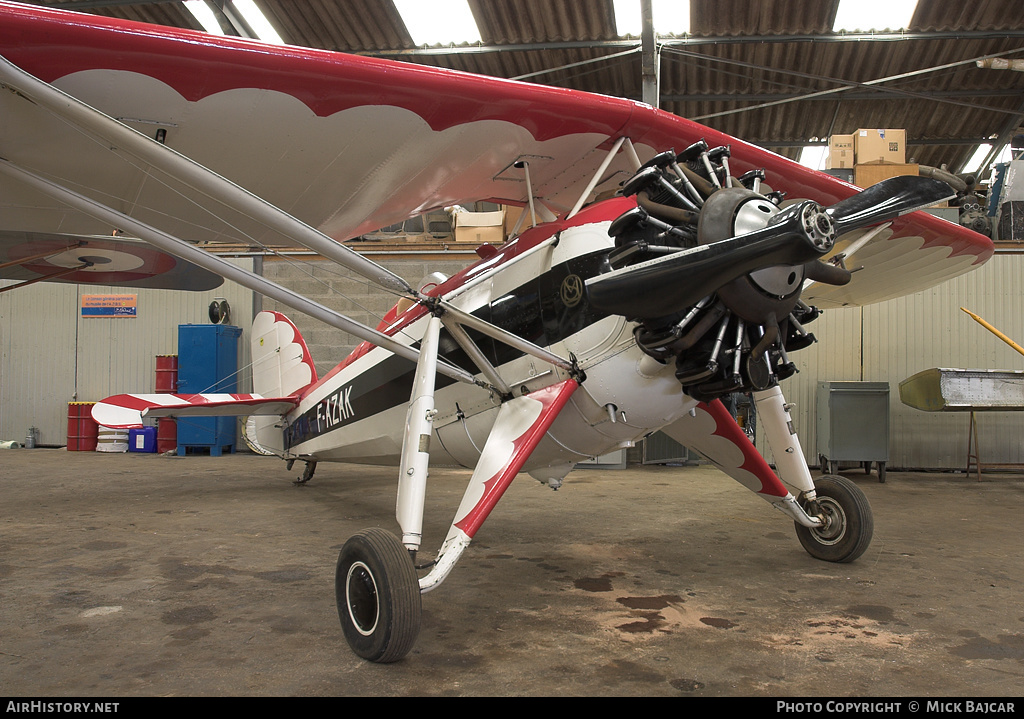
pixel 142 439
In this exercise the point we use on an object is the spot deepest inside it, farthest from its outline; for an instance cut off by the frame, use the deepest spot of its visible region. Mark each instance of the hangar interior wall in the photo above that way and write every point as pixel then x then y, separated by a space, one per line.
pixel 50 355
pixel 894 340
pixel 340 290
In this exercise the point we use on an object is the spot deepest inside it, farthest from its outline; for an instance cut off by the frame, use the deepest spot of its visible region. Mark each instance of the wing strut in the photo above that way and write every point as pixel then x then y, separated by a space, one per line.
pixel 597 175
pixel 220 266
pixel 41 255
pixel 43 278
pixel 529 193
pixel 468 346
pixel 454 314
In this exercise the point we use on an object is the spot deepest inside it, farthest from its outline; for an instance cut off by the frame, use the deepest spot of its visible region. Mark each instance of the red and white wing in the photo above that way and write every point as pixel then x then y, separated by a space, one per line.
pixel 33 257
pixel 352 144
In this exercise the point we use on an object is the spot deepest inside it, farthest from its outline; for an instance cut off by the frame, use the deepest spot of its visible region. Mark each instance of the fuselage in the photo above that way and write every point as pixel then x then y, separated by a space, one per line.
pixel 533 287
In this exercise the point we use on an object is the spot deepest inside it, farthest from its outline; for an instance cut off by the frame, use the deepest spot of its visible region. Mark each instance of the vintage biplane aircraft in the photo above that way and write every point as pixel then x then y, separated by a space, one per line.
pixel 664 266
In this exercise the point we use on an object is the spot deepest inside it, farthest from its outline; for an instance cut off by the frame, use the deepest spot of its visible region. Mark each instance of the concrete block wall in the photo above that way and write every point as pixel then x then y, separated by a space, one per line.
pixel 341 290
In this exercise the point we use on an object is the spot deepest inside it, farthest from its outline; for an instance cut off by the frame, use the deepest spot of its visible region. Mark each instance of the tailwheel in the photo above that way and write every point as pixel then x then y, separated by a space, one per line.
pixel 848 526
pixel 378 596
pixel 307 473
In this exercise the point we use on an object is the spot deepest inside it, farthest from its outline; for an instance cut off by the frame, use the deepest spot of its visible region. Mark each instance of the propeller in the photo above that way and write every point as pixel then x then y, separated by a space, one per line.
pixel 661 286
pixel 797 235
pixel 887 200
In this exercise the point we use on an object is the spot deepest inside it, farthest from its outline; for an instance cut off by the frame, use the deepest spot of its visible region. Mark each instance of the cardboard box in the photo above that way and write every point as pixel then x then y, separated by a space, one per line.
pixel 840 152
pixel 877 147
pixel 512 215
pixel 868 175
pixel 480 227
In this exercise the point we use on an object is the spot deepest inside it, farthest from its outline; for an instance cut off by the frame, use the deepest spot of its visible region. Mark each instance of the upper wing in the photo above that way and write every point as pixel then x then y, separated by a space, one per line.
pixel 351 144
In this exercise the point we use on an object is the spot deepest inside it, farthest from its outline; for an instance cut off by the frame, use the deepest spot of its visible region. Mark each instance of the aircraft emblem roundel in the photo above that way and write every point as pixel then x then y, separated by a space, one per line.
pixel 571 290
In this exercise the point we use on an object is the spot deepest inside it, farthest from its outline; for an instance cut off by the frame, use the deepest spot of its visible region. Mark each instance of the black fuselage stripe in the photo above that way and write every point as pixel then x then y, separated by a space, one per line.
pixel 544 310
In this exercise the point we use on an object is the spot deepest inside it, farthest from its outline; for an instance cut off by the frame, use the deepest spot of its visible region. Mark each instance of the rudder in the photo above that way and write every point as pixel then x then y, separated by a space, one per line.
pixel 281 366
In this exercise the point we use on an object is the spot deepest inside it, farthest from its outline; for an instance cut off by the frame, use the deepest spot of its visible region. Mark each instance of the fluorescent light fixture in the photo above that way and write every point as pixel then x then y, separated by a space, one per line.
pixel 439 22
pixel 813 156
pixel 877 15
pixel 671 17
pixel 202 12
pixel 258 22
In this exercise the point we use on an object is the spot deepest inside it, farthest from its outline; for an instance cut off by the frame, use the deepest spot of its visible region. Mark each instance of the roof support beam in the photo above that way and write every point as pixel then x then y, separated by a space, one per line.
pixel 911 142
pixel 843 86
pixel 650 59
pixel 230 19
pixel 853 96
pixel 690 40
pixel 1007 132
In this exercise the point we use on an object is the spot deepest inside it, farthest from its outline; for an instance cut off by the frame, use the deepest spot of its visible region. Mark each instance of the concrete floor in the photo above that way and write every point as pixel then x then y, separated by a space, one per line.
pixel 128 575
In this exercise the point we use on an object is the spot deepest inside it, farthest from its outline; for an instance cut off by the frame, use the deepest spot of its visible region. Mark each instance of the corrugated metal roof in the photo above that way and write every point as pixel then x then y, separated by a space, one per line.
pixel 746 68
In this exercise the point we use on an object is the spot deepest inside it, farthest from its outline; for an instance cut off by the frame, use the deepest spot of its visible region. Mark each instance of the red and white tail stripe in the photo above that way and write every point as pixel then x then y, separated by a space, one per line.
pixel 125 411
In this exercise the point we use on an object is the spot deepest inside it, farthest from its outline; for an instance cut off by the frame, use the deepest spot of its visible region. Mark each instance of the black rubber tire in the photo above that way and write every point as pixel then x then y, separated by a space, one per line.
pixel 851 525
pixel 378 596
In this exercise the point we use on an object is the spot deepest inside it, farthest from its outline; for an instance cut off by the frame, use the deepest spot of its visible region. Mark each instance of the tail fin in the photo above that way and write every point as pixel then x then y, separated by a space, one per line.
pixel 281 363
pixel 281 367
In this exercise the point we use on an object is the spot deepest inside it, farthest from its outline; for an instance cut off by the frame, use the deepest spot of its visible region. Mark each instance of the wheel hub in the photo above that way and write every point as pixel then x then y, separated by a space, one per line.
pixel 833 528
pixel 361 598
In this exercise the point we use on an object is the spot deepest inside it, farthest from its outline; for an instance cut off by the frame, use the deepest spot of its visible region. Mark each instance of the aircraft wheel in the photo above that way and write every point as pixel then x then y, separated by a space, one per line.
pixel 849 523
pixel 378 596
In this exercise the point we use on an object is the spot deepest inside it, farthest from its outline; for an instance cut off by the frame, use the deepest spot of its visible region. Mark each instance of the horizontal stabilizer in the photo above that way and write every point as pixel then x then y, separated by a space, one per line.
pixel 124 411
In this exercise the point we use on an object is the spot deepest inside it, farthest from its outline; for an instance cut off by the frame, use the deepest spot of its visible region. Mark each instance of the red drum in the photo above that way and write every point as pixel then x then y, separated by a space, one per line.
pixel 82 428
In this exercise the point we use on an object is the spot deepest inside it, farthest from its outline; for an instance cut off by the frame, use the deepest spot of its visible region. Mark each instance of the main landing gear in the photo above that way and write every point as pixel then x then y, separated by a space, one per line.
pixel 847 521
pixel 375 583
pixel 832 516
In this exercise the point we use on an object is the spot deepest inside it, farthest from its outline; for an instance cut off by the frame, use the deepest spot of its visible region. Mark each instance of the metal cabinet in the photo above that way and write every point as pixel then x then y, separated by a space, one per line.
pixel 853 425
pixel 207 363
